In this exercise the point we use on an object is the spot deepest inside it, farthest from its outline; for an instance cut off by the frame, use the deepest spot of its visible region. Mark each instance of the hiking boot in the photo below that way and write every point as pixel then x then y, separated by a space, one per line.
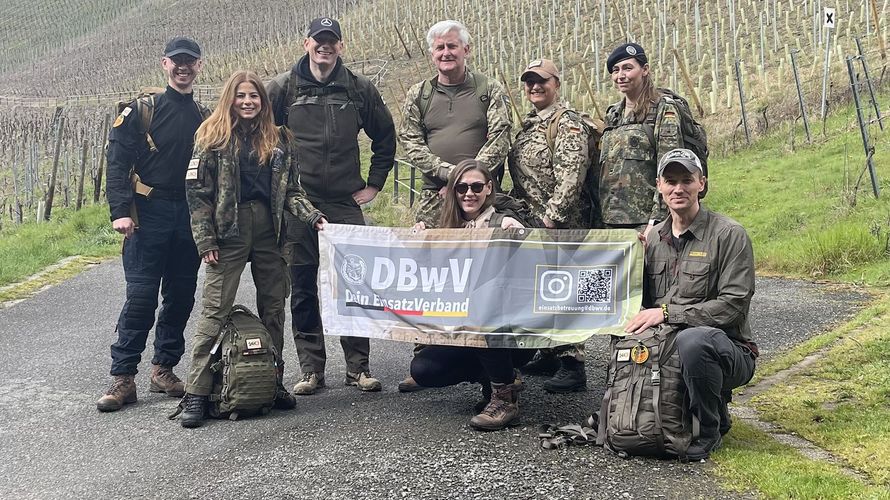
pixel 164 380
pixel 544 363
pixel 571 377
pixel 309 384
pixel 194 409
pixel 363 381
pixel 486 391
pixel 501 411
pixel 284 400
pixel 122 392
pixel 702 446
pixel 410 385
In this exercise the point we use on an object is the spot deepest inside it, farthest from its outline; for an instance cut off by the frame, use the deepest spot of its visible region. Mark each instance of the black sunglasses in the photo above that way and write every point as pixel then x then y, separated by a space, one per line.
pixel 462 187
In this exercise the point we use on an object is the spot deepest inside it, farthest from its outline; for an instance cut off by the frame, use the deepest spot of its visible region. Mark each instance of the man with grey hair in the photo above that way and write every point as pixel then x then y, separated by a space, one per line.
pixel 458 114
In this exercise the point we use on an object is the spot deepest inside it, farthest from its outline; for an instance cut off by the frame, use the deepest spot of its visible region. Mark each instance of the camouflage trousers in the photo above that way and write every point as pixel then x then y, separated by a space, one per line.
pixel 567 351
pixel 430 208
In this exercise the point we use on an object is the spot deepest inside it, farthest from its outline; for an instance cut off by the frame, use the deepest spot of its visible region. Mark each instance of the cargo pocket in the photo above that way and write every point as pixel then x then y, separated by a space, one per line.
pixel 656 278
pixel 694 279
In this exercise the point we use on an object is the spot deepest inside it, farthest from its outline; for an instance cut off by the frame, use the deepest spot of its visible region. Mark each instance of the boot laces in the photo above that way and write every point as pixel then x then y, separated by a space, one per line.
pixel 118 386
pixel 494 407
pixel 307 377
pixel 168 376
pixel 194 404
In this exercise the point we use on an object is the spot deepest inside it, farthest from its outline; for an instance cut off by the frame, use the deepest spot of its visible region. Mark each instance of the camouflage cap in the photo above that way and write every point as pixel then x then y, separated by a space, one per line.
pixel 683 157
pixel 626 51
pixel 545 68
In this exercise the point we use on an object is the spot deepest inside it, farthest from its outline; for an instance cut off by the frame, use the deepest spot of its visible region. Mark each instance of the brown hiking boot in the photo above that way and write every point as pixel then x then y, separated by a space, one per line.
pixel 363 380
pixel 122 392
pixel 410 385
pixel 502 410
pixel 164 380
pixel 486 391
pixel 310 383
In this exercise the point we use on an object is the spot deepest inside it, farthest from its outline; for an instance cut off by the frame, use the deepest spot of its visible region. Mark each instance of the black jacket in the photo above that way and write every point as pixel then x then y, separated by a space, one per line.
pixel 325 119
pixel 174 122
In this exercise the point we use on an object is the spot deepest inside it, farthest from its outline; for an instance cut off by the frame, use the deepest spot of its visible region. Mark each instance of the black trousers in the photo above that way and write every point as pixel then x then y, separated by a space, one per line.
pixel 713 365
pixel 441 366
pixel 305 314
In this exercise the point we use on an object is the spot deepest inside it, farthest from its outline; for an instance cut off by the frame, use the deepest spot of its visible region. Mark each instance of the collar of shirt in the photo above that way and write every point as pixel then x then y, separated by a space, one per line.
pixel 482 219
pixel 696 229
pixel 176 96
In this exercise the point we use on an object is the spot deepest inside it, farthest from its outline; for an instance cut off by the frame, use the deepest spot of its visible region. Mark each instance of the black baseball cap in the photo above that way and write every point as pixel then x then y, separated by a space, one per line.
pixel 325 24
pixel 626 51
pixel 182 45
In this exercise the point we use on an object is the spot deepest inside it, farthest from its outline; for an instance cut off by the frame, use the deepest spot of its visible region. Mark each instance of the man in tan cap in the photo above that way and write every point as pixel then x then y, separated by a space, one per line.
pixel 548 164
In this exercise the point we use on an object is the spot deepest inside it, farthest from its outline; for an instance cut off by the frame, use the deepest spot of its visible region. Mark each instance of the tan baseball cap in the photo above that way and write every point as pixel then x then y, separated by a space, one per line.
pixel 545 68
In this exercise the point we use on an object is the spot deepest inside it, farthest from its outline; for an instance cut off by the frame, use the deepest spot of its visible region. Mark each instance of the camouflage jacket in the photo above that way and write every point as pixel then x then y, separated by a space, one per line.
pixel 212 188
pixel 413 136
pixel 551 182
pixel 629 161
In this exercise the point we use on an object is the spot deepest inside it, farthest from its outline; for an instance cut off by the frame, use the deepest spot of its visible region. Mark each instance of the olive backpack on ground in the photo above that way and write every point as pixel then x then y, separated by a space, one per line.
pixel 645 411
pixel 245 374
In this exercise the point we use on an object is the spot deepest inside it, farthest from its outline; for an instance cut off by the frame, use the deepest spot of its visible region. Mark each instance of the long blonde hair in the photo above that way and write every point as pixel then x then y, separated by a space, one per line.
pixel 216 133
pixel 649 95
pixel 452 214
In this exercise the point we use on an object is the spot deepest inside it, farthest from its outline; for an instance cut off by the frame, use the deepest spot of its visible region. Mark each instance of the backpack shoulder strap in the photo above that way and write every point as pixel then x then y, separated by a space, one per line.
pixel 145 107
pixel 553 128
pixel 480 88
pixel 425 96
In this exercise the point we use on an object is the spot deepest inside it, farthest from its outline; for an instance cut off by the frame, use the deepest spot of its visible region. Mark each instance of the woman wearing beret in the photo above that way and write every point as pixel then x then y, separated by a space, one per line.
pixel 640 128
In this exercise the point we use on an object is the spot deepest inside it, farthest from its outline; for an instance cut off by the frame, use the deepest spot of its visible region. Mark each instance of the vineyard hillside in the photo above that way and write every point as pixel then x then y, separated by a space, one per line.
pixel 64 63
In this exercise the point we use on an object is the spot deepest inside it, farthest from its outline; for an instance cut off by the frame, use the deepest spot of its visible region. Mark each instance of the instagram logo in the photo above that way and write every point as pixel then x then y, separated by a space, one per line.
pixel 556 286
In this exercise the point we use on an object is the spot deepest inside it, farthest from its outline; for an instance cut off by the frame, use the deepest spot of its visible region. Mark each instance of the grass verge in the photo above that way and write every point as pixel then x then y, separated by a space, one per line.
pixel 750 459
pixel 29 248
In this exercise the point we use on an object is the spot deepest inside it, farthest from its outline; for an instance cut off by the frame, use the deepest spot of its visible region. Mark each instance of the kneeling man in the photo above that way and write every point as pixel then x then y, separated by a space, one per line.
pixel 700 279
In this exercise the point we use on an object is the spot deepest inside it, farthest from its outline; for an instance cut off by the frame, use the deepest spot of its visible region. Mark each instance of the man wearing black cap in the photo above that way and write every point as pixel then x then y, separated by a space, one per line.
pixel 700 280
pixel 326 105
pixel 149 149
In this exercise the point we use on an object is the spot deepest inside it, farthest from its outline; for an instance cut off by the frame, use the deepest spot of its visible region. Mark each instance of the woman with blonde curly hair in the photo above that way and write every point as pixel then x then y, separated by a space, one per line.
pixel 242 176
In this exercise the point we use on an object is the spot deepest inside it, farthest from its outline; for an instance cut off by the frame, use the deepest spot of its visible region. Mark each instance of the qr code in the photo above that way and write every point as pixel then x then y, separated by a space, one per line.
pixel 595 286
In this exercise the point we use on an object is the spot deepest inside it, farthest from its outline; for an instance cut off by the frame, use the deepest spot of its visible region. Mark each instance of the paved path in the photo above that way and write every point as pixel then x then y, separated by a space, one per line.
pixel 337 444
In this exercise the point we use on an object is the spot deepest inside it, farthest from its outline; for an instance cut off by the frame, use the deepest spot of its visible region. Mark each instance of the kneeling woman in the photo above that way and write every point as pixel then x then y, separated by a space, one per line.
pixel 241 179
pixel 469 202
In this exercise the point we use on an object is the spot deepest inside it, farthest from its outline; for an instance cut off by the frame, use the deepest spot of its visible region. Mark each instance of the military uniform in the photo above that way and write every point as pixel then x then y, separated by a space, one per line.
pixel 551 182
pixel 458 125
pixel 161 254
pixel 628 162
pixel 236 208
pixel 326 118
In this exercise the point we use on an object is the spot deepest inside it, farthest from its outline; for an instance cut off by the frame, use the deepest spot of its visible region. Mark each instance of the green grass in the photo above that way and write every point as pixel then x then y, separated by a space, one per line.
pixel 799 207
pixel 751 459
pixel 31 247
pixel 842 402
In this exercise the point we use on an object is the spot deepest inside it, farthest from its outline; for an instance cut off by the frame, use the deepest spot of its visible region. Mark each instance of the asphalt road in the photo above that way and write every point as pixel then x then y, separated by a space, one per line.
pixel 339 443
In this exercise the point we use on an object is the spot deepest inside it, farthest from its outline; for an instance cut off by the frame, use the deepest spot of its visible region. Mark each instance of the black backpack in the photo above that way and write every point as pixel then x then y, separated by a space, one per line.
pixel 645 410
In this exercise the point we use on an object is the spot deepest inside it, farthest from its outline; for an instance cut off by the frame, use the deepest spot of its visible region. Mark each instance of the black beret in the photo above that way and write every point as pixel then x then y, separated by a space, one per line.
pixel 626 51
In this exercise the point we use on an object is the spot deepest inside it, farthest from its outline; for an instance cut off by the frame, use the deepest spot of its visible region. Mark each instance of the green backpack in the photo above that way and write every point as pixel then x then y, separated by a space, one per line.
pixel 645 410
pixel 245 374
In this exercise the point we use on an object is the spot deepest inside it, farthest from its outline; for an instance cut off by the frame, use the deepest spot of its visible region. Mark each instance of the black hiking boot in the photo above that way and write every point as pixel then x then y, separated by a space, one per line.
pixel 544 363
pixel 702 446
pixel 571 377
pixel 194 410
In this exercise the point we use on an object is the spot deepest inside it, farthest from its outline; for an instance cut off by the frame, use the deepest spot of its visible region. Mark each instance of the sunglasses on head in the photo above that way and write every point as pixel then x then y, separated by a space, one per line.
pixel 463 187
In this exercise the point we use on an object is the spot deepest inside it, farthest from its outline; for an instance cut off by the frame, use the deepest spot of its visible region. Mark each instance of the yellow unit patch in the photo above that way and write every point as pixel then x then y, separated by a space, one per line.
pixel 119 120
pixel 698 254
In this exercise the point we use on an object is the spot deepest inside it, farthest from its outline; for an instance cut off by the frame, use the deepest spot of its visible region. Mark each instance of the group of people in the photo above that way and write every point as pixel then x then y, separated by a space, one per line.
pixel 274 163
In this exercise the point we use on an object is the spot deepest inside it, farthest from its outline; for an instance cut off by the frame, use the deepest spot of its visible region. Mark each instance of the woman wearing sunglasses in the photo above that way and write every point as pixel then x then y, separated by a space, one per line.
pixel 238 184
pixel 470 203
